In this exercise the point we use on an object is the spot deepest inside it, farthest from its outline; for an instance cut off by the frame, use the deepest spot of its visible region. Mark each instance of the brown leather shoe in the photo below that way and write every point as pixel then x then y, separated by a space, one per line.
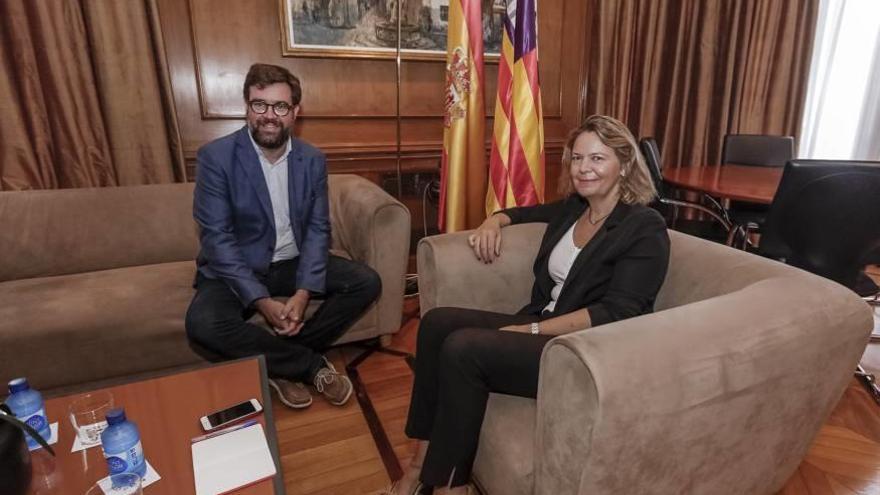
pixel 291 394
pixel 334 386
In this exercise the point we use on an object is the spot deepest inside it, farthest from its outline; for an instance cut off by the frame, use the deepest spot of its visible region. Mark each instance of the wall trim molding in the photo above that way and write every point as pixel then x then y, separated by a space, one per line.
pixel 381 151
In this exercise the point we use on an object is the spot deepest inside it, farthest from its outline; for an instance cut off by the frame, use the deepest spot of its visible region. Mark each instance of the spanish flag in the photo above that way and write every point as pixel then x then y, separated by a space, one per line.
pixel 463 166
pixel 516 162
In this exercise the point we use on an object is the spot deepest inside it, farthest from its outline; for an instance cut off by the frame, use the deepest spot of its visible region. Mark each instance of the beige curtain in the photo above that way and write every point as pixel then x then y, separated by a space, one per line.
pixel 85 96
pixel 690 71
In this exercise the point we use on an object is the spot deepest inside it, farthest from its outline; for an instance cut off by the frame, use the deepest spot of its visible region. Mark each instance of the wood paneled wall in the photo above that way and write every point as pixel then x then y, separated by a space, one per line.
pixel 348 107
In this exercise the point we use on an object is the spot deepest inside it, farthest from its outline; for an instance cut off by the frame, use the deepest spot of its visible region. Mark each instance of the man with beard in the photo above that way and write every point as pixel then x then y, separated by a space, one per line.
pixel 262 208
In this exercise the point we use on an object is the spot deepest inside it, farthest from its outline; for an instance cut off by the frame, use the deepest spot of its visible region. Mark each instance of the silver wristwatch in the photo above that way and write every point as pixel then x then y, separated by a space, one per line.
pixel 534 328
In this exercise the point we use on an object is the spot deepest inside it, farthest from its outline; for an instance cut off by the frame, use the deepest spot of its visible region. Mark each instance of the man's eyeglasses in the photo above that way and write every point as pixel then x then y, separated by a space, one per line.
pixel 280 108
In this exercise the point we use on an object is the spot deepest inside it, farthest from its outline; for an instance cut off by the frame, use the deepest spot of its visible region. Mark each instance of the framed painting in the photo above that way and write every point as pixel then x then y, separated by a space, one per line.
pixel 368 28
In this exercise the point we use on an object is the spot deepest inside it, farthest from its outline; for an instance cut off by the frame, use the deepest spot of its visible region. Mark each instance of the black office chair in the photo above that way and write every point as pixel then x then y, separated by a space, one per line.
pixel 825 218
pixel 651 152
pixel 757 150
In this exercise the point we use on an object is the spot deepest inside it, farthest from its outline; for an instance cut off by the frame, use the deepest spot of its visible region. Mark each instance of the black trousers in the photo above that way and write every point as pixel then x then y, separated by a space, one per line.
pixel 461 356
pixel 217 320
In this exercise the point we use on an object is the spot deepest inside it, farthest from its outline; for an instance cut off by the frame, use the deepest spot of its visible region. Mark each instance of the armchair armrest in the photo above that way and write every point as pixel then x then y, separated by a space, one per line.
pixel 450 274
pixel 374 228
pixel 723 395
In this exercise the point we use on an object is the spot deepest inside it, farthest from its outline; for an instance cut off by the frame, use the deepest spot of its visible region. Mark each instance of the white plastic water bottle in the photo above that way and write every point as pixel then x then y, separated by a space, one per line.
pixel 121 442
pixel 27 405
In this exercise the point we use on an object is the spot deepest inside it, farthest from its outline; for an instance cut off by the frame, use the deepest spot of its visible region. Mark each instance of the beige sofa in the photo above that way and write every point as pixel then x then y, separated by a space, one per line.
pixel 94 283
pixel 720 391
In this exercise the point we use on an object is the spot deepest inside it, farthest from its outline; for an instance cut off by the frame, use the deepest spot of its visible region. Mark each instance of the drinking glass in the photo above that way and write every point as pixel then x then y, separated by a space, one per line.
pixel 118 484
pixel 87 415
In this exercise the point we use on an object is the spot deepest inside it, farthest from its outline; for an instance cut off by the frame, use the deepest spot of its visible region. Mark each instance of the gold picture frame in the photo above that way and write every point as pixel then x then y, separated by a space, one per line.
pixel 368 28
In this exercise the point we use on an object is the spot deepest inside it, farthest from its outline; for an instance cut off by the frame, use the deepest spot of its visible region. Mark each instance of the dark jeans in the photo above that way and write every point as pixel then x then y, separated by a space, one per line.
pixel 460 358
pixel 217 320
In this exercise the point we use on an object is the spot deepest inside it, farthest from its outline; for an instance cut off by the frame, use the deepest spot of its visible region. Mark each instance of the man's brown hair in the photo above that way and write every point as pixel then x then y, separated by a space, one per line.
pixel 262 75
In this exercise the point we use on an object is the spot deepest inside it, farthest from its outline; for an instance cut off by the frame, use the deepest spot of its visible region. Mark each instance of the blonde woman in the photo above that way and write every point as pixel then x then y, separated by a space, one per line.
pixel 603 258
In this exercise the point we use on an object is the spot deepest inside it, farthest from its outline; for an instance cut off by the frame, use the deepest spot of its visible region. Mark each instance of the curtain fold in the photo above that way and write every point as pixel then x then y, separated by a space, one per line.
pixel 172 125
pixel 867 140
pixel 81 96
pixel 689 72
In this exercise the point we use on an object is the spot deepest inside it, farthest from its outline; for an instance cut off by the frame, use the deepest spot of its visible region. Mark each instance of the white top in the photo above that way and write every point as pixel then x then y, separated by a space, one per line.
pixel 276 180
pixel 559 264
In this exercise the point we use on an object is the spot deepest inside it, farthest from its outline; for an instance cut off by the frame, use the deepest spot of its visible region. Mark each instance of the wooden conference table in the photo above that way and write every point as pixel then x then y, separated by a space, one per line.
pixel 166 409
pixel 731 182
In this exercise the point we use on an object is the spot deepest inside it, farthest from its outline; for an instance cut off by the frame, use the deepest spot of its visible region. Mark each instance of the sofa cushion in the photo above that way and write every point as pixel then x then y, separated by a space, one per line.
pixel 84 323
pixel 60 232
pixel 505 460
pixel 96 325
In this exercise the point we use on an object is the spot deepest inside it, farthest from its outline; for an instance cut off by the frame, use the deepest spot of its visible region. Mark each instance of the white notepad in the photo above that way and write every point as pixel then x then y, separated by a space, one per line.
pixel 233 460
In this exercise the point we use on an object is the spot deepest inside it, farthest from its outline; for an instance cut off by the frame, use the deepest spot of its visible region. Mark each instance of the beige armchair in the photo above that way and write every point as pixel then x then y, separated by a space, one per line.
pixel 720 391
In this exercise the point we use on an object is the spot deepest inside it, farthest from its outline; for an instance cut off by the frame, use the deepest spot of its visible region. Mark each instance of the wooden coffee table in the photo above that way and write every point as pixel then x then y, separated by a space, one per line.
pixel 166 407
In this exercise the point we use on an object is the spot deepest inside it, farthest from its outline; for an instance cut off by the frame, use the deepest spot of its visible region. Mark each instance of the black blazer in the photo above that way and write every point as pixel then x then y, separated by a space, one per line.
pixel 615 276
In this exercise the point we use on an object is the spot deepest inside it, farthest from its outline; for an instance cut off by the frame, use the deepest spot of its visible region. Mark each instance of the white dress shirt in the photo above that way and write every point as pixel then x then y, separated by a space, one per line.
pixel 276 180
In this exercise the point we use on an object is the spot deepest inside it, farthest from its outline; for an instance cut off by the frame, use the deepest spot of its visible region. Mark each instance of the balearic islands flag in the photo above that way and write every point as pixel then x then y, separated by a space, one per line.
pixel 516 163
pixel 463 169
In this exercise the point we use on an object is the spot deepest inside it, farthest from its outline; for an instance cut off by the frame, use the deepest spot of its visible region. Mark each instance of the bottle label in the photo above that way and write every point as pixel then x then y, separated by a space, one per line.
pixel 127 460
pixel 37 420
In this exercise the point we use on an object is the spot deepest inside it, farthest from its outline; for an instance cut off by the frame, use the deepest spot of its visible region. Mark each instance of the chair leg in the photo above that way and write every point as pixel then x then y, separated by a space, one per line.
pixel 874 304
pixel 869 381
pixel 732 233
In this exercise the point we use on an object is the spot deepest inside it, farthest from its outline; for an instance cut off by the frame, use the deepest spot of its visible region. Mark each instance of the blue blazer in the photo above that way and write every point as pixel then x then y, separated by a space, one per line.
pixel 237 228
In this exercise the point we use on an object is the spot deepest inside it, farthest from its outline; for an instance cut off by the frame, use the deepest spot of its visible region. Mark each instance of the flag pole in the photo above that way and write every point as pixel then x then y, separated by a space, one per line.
pixel 397 108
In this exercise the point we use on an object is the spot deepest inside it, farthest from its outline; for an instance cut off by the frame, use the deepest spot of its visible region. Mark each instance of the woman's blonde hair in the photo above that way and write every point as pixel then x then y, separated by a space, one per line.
pixel 636 186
